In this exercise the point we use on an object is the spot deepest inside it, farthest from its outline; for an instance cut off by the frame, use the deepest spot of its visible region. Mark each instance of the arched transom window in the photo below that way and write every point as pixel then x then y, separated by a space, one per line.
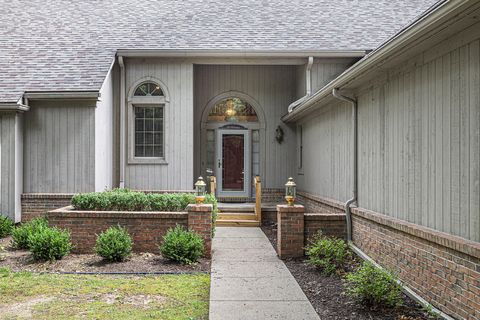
pixel 147 89
pixel 232 110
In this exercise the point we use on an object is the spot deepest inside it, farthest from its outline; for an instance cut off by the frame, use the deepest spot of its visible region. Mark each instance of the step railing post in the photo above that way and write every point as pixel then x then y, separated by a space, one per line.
pixel 258 199
pixel 213 185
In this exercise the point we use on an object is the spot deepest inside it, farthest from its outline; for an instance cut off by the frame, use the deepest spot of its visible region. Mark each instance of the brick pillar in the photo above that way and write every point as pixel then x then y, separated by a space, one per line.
pixel 200 221
pixel 290 234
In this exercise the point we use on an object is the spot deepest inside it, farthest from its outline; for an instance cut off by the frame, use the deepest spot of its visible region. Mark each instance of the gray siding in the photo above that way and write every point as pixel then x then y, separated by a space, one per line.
pixel 59 148
pixel 419 141
pixel 7 164
pixel 273 87
pixel 178 173
pixel 326 146
pixel 104 136
pixel 325 70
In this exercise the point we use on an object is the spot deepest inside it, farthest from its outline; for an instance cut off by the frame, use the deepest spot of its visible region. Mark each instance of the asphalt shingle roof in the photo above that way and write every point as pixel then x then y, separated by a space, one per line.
pixel 64 45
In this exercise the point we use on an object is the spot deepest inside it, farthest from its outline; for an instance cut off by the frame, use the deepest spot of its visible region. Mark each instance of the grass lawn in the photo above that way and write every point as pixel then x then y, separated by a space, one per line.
pixel 26 295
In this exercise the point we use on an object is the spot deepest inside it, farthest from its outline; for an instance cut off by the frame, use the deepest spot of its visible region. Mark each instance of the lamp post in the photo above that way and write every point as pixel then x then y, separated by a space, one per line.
pixel 200 190
pixel 290 191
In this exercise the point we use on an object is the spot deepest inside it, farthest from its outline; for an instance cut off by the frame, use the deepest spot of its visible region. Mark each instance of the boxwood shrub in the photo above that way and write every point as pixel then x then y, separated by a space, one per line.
pixel 114 244
pixel 327 253
pixel 21 235
pixel 6 226
pixel 49 244
pixel 182 245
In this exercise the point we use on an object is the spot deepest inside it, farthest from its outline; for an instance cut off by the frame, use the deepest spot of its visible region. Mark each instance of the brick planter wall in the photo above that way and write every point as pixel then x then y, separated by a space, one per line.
pixel 146 228
pixel 330 224
pixel 38 204
pixel 290 231
pixel 314 203
pixel 443 269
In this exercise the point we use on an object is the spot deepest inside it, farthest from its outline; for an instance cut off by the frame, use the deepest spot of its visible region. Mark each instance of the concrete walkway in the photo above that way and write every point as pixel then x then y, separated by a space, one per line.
pixel 250 282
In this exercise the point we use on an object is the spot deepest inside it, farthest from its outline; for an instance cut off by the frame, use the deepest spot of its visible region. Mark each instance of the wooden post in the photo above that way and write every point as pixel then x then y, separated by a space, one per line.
pixel 213 185
pixel 258 199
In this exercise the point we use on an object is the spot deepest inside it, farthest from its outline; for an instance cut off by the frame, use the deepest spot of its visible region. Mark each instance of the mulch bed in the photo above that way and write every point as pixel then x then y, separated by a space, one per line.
pixel 21 260
pixel 326 293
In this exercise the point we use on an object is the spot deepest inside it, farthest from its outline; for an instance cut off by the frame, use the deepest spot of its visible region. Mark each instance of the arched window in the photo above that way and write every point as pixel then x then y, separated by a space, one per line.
pixel 147 89
pixel 147 123
pixel 232 110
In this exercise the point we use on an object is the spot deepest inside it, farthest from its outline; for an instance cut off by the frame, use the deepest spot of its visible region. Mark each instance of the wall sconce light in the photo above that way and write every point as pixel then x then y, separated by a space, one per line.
pixel 279 134
pixel 290 191
pixel 200 190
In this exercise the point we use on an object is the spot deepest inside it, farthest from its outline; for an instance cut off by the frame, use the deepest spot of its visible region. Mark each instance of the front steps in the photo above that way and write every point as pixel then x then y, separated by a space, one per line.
pixel 237 215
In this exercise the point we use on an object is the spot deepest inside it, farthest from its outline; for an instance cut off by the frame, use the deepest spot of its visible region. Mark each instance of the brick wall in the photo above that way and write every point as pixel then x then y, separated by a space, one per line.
pixel 314 203
pixel 443 269
pixel 146 229
pixel 200 221
pixel 330 224
pixel 38 204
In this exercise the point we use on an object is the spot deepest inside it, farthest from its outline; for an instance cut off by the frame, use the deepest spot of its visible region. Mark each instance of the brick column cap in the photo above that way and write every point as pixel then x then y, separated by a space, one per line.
pixel 200 207
pixel 287 208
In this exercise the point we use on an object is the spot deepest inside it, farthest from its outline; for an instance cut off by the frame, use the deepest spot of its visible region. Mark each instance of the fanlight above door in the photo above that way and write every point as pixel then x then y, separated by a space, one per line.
pixel 232 110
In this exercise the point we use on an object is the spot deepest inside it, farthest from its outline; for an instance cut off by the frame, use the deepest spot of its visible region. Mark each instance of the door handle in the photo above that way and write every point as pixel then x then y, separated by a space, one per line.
pixel 219 163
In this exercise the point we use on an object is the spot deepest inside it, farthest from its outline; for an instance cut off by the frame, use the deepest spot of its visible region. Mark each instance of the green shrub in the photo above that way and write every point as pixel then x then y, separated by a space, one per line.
pixel 329 254
pixel 373 286
pixel 50 244
pixel 182 245
pixel 21 235
pixel 6 226
pixel 114 244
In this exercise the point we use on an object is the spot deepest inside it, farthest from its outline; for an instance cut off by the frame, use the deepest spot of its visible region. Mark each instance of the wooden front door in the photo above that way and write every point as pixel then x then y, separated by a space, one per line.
pixel 233 163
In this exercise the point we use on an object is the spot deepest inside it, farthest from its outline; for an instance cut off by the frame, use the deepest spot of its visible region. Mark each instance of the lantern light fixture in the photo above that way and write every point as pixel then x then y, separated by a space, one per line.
pixel 200 190
pixel 290 191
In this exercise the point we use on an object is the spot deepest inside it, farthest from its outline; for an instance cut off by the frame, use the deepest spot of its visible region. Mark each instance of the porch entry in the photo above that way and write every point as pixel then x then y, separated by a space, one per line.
pixel 233 170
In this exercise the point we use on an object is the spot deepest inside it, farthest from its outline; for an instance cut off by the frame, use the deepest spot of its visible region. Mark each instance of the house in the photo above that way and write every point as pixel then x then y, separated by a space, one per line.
pixel 372 106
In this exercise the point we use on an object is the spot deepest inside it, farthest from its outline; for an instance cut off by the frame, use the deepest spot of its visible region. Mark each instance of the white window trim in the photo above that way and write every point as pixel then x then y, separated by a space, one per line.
pixel 159 101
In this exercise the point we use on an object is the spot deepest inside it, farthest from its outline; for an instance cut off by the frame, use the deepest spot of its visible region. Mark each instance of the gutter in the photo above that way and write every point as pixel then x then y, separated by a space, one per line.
pixel 239 53
pixel 14 107
pixel 122 122
pixel 308 85
pixel 48 95
pixel 375 58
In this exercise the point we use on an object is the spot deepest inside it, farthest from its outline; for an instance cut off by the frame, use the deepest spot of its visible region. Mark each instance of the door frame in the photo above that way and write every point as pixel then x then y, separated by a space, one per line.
pixel 247 159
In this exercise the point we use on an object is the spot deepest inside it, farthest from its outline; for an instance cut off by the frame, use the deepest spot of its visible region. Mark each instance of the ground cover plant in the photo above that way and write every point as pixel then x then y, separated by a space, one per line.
pixel 182 245
pixel 54 296
pixel 114 244
pixel 22 234
pixel 6 226
pixel 48 244
pixel 327 253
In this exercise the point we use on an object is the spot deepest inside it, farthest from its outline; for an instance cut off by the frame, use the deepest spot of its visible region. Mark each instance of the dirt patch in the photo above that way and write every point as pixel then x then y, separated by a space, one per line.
pixel 21 260
pixel 327 296
pixel 23 309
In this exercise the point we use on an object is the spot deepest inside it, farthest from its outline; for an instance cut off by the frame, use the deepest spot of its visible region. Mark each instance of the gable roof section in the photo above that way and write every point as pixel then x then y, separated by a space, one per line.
pixel 57 45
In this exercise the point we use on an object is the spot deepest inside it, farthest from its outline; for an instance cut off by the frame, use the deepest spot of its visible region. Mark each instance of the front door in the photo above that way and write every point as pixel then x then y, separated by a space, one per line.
pixel 233 163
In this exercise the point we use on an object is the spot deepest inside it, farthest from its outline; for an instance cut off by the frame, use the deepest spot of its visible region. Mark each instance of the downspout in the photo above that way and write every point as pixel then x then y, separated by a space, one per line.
pixel 122 122
pixel 351 201
pixel 308 86
pixel 348 211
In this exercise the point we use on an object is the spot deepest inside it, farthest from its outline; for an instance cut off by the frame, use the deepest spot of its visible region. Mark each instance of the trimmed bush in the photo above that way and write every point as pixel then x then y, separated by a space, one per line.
pixel 50 244
pixel 329 254
pixel 114 244
pixel 182 245
pixel 21 235
pixel 373 286
pixel 6 226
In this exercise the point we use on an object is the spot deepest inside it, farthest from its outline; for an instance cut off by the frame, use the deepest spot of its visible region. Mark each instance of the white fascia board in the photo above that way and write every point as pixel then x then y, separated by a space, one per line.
pixel 77 95
pixel 212 53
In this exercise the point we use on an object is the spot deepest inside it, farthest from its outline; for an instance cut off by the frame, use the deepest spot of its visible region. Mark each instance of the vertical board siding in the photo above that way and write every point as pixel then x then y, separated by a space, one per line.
pixel 273 88
pixel 177 174
pixel 59 147
pixel 326 148
pixel 431 130
pixel 7 164
pixel 325 70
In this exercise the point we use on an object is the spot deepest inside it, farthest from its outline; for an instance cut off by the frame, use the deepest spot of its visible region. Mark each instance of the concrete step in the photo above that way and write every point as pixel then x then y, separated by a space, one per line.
pixel 236 216
pixel 238 223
